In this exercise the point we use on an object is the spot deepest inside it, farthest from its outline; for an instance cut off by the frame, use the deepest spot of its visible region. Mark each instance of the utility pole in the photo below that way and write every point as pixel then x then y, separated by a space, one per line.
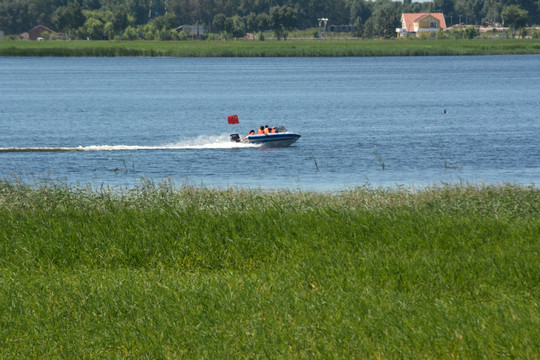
pixel 322 20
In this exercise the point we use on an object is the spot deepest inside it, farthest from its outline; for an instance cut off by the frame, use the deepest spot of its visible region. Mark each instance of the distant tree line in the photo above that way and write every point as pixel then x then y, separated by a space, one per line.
pixel 133 19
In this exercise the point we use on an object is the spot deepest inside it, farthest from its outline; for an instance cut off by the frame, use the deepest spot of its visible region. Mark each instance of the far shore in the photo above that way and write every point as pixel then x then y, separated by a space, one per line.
pixel 289 48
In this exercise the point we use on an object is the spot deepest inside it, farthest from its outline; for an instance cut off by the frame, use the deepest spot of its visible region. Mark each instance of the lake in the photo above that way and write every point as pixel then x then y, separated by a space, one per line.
pixel 388 122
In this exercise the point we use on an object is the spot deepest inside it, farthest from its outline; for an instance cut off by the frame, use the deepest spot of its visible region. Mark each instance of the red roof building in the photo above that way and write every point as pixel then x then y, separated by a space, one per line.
pixel 418 23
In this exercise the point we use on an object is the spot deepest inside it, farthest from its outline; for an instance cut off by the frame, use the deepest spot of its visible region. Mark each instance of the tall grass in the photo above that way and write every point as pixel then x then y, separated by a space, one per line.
pixel 270 48
pixel 167 272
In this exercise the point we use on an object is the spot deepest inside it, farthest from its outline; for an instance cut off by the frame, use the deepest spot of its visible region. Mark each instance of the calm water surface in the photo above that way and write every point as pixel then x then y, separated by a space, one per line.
pixel 377 121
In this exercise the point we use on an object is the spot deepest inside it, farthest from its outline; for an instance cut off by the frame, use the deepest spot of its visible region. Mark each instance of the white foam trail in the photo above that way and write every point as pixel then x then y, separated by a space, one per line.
pixel 200 142
pixel 208 142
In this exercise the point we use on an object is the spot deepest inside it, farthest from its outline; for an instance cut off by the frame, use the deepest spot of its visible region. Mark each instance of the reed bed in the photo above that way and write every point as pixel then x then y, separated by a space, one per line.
pixel 160 271
pixel 300 48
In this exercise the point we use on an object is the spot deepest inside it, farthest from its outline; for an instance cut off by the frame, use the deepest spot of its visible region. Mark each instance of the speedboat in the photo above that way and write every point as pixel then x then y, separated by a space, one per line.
pixel 281 138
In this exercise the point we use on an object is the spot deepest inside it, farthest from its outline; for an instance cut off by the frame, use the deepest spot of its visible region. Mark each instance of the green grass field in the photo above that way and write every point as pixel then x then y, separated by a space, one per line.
pixel 306 48
pixel 158 271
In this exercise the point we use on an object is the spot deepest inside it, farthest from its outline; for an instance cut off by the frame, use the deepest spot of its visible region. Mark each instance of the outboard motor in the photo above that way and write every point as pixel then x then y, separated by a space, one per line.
pixel 235 138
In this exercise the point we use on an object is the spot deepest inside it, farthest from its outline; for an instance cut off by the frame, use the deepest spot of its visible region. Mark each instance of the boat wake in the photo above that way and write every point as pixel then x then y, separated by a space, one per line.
pixel 200 142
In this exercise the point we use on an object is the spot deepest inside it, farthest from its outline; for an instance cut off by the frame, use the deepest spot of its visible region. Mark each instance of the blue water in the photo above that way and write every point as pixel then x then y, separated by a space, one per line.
pixel 376 121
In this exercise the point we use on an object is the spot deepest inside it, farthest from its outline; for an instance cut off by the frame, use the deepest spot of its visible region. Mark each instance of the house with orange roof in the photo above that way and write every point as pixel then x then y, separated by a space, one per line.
pixel 420 23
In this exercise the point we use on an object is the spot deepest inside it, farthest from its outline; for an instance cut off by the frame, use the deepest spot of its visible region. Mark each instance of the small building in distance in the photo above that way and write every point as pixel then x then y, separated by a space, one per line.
pixel 36 32
pixel 341 28
pixel 420 23
pixel 197 31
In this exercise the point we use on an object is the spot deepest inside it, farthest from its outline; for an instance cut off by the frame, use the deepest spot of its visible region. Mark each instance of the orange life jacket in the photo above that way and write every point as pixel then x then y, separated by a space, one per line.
pixel 260 132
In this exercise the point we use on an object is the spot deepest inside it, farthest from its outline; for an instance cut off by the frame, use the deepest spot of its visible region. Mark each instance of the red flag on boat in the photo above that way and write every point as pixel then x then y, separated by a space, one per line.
pixel 233 119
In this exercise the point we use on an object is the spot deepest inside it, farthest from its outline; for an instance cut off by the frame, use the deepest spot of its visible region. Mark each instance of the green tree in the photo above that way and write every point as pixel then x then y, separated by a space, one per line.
pixel 359 9
pixel 238 28
pixel 138 9
pixel 492 10
pixel 92 29
pixel 45 35
pixel 284 20
pixel 40 11
pixel 441 34
pixel 464 12
pixel 219 22
pixel 90 4
pixel 515 17
pixel 386 19
pixel 98 25
pixel 264 22
pixel 157 8
pixel 252 23
pixel 130 33
pixel 369 28
pixel 68 18
pixel 14 17
pixel 120 20
pixel 471 32
pixel 103 16
pixel 359 32
pixel 148 31
pixel 165 22
pixel 444 6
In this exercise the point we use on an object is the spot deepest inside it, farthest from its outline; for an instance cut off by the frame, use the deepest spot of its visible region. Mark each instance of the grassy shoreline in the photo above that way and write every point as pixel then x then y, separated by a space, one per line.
pixel 164 272
pixel 301 48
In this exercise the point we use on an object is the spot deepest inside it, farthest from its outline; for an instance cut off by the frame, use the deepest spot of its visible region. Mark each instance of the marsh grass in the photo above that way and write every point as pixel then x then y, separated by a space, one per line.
pixel 161 271
pixel 379 159
pixel 301 48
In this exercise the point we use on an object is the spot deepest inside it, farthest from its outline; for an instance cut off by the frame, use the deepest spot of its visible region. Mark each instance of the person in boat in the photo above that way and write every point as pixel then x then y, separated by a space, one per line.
pixel 260 131
pixel 252 132
pixel 274 130
pixel 266 130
